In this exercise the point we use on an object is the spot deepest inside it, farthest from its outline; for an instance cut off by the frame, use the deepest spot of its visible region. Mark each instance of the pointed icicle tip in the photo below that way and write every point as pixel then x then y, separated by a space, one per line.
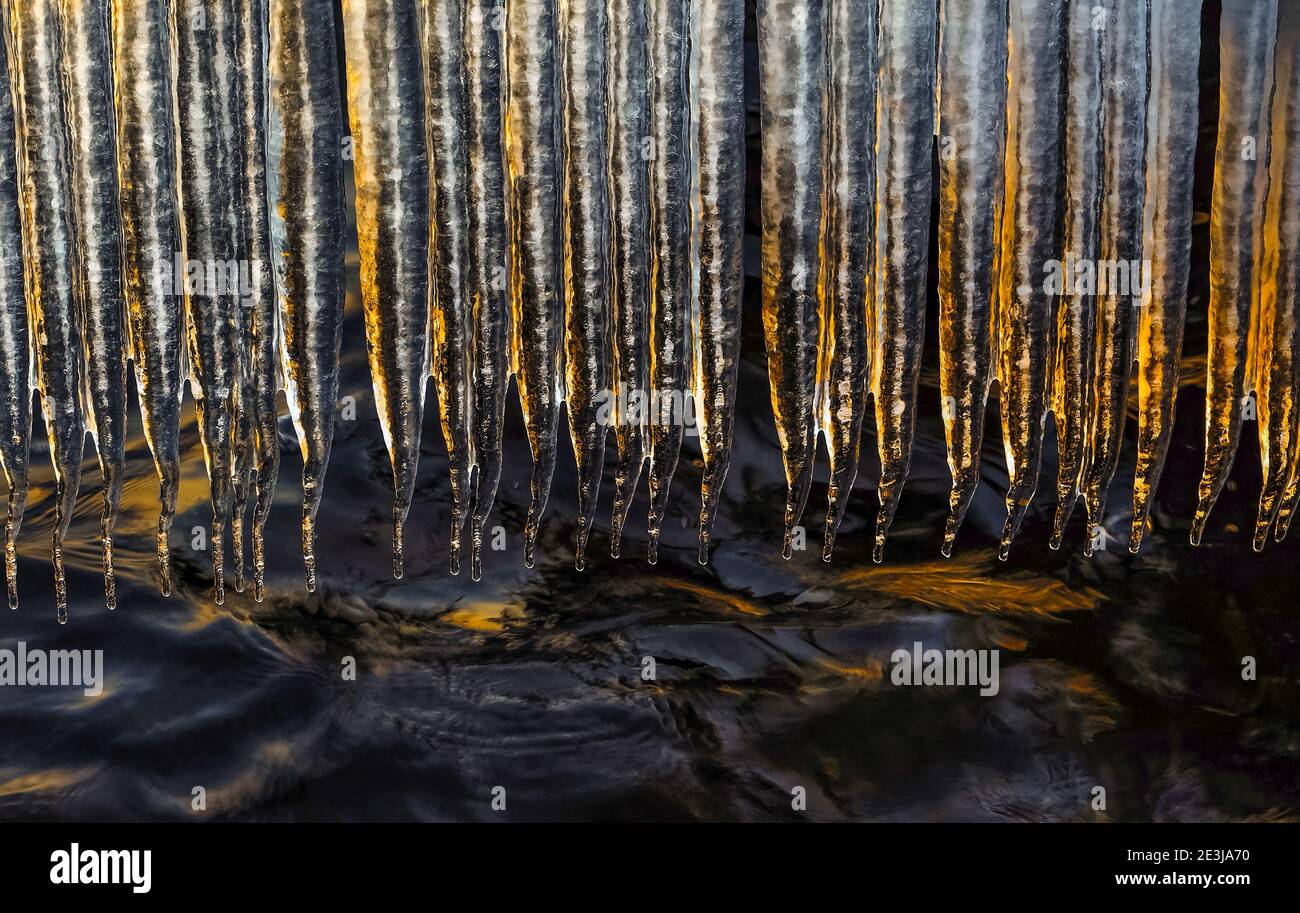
pixel 1058 528
pixel 580 547
pixel 1135 535
pixel 164 566
pixel 309 550
pixel 1004 546
pixel 791 521
pixel 616 521
pixel 11 572
pixel 259 563
pixel 110 582
pixel 237 544
pixel 455 549
pixel 60 589
pixel 398 560
pixel 1282 526
pixel 580 550
pixel 1260 538
pixel 949 535
pixel 530 545
pixel 476 550
pixel 884 520
pixel 1200 520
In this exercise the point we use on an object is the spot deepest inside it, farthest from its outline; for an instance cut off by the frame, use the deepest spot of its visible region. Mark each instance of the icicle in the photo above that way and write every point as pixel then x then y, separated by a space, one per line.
pixel 15 350
pixel 904 144
pixel 1031 232
pixel 205 50
pixel 586 248
pixel 154 278
pixel 490 315
pixel 721 236
pixel 304 178
pixel 1278 359
pixel 1072 351
pixel 1124 83
pixel 391 164
pixel 629 128
pixel 1171 157
pixel 1247 34
pixel 671 273
pixel 48 237
pixel 449 250
pixel 87 63
pixel 972 133
pixel 261 325
pixel 792 77
pixel 534 157
pixel 850 225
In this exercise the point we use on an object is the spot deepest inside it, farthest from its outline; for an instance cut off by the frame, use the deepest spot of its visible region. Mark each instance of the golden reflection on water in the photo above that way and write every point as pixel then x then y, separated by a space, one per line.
pixel 964 584
pixel 708 596
pixel 481 617
pixel 53 780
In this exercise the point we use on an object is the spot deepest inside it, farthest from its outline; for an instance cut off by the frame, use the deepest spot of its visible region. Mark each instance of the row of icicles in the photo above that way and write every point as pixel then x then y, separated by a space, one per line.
pixel 553 190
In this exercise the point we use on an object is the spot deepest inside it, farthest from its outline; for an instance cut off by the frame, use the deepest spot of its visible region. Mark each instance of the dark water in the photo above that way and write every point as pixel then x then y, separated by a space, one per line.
pixel 1118 672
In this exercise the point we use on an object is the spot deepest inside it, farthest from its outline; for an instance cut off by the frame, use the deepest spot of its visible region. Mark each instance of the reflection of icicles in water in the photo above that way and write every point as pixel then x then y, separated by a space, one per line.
pixel 88 68
pixel 792 71
pixel 1171 157
pixel 1072 350
pixel 721 237
pixel 391 167
pixel 1277 363
pixel 488 251
pixel 586 248
pixel 304 179
pixel 151 238
pixel 1030 239
pixel 850 215
pixel 1247 34
pixel 1124 83
pixel 671 186
pixel 533 153
pixel 449 251
pixel 972 130
pixel 47 227
pixel 15 354
pixel 261 331
pixel 904 141
pixel 629 261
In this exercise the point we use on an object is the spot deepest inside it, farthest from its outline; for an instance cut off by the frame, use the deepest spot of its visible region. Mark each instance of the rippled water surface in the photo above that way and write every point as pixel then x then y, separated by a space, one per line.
pixel 1118 672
